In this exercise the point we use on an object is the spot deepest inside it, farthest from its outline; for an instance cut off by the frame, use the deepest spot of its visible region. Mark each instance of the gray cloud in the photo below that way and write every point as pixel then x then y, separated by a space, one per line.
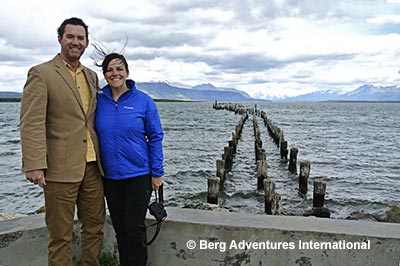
pixel 246 40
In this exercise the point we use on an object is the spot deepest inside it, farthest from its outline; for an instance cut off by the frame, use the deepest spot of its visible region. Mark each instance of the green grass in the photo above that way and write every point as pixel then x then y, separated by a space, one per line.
pixel 108 258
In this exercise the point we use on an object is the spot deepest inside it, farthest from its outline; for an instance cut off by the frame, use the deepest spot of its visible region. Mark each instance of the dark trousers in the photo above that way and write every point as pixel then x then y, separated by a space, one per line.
pixel 127 202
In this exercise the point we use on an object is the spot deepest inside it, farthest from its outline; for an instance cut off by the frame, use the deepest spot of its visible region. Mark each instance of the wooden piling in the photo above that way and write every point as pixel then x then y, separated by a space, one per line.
pixel 262 154
pixel 232 145
pixel 220 169
pixel 293 160
pixel 238 130
pixel 303 176
pixel 258 150
pixel 284 151
pixel 269 191
pixel 213 189
pixel 234 138
pixel 319 193
pixel 262 173
pixel 277 203
pixel 228 157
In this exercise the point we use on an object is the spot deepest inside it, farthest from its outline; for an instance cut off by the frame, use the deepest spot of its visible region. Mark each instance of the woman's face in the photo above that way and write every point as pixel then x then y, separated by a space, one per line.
pixel 116 74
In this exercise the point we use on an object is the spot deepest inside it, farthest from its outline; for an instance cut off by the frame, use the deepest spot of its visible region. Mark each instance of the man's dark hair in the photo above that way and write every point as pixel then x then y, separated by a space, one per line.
pixel 72 21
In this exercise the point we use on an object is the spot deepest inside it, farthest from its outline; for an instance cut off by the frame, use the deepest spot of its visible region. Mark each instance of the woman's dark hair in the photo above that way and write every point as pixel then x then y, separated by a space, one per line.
pixel 102 57
pixel 73 21
pixel 108 58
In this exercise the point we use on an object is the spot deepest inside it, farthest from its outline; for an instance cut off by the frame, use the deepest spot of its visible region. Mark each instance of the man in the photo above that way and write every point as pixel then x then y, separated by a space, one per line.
pixel 60 146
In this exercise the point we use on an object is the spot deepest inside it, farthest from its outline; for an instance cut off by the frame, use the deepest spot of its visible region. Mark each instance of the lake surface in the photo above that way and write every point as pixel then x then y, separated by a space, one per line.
pixel 353 147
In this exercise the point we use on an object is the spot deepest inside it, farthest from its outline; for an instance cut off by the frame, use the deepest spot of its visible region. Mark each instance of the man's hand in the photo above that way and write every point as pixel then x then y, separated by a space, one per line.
pixel 36 177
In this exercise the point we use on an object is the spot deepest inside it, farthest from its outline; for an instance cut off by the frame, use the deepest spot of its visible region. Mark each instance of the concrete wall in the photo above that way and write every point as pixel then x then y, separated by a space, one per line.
pixel 220 239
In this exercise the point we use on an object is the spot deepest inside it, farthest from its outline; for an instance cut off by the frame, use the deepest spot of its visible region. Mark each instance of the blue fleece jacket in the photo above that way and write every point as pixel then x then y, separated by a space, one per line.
pixel 130 134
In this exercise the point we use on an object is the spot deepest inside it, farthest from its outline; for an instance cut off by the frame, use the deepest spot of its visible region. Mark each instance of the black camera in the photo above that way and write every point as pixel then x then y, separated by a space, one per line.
pixel 158 211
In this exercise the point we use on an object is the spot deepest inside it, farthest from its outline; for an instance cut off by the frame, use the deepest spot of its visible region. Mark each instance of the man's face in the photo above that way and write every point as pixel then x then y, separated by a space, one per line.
pixel 73 43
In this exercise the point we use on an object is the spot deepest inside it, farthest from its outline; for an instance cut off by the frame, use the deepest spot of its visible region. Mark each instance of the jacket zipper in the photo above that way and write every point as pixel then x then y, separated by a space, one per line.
pixel 115 138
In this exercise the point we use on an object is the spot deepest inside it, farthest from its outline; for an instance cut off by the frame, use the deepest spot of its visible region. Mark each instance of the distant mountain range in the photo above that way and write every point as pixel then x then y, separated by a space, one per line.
pixel 364 93
pixel 203 92
pixel 10 95
pixel 208 92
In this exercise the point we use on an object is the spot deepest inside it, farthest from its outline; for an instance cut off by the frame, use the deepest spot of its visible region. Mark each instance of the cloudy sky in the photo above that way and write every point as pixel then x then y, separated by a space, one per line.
pixel 263 47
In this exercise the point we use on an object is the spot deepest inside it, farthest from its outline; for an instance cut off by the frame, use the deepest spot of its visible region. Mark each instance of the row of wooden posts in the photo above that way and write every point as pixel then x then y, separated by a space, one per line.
pixel 277 135
pixel 272 199
pixel 215 183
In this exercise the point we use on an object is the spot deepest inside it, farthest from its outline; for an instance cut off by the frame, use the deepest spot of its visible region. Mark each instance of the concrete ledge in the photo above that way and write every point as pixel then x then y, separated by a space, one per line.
pixel 221 239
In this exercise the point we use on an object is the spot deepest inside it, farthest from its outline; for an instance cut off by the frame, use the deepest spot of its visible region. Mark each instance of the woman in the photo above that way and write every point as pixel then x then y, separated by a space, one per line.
pixel 130 136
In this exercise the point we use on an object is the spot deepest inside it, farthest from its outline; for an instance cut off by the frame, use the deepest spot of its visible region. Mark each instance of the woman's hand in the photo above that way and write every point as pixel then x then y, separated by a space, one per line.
pixel 156 182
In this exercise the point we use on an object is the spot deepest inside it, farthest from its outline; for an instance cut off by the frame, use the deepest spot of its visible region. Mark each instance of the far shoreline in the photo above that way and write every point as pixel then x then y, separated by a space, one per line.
pixel 13 100
pixel 5 100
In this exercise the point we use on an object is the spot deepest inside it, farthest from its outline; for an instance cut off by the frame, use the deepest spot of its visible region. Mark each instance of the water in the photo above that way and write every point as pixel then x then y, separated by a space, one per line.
pixel 353 147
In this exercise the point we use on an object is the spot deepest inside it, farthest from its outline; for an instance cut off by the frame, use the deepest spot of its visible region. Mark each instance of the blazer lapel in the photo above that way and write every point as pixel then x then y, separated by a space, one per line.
pixel 93 85
pixel 63 71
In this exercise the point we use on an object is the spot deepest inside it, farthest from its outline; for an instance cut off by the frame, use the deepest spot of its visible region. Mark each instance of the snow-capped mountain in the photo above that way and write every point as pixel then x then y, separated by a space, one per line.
pixel 365 92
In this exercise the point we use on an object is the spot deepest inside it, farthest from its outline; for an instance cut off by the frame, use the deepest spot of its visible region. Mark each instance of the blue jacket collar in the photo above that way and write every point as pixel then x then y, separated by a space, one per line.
pixel 129 83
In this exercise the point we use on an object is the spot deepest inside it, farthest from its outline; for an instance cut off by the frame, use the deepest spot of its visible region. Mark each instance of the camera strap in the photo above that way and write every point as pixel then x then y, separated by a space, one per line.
pixel 159 197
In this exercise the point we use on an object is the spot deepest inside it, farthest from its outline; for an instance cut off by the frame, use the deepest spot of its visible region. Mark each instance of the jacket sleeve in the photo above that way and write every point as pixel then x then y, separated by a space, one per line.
pixel 33 122
pixel 155 135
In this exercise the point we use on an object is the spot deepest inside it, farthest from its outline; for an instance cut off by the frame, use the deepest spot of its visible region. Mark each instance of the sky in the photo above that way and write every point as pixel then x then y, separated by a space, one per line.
pixel 267 48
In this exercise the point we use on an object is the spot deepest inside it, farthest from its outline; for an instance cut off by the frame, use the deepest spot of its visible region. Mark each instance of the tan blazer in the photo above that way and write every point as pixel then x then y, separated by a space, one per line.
pixel 53 122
